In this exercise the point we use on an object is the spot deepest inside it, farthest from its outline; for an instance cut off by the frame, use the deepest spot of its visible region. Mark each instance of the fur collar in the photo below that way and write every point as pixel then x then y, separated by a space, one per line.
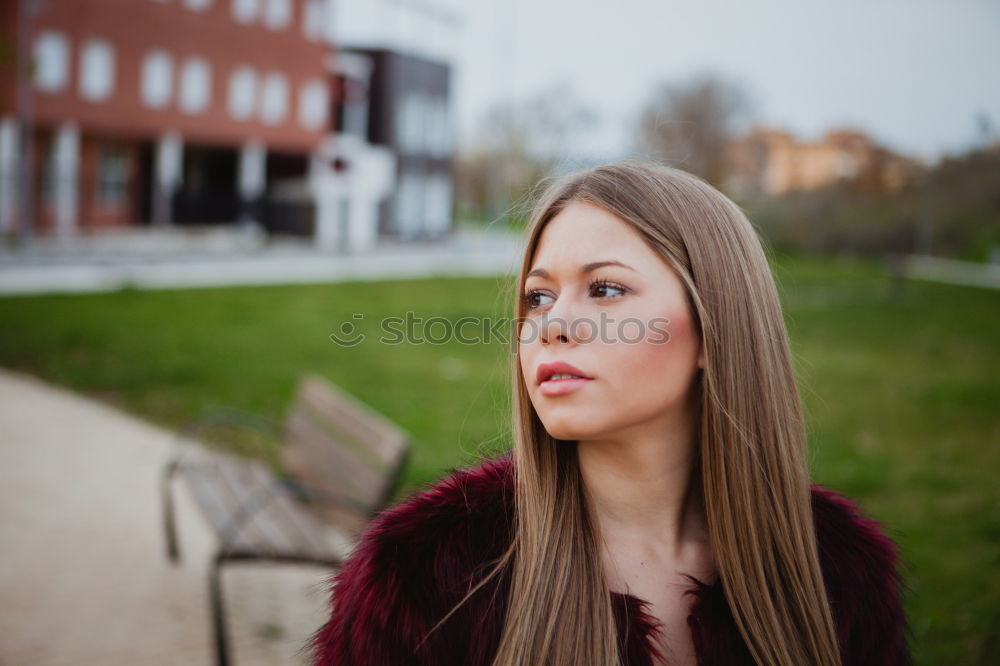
pixel 419 557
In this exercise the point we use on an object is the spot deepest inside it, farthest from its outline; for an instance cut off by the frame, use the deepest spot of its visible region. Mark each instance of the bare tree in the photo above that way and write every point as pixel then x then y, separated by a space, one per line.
pixel 518 145
pixel 689 124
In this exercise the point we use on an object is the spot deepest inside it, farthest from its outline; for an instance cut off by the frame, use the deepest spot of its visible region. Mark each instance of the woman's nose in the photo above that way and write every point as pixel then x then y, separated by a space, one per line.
pixel 554 329
pixel 562 323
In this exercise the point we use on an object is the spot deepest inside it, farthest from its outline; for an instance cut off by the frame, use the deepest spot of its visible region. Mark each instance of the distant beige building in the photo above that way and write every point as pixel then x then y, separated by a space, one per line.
pixel 771 162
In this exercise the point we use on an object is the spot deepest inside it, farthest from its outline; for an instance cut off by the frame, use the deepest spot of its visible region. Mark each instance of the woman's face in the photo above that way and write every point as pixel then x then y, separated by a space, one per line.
pixel 627 328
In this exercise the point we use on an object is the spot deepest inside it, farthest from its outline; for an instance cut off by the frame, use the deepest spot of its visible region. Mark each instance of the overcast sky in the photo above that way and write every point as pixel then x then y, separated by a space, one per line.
pixel 915 73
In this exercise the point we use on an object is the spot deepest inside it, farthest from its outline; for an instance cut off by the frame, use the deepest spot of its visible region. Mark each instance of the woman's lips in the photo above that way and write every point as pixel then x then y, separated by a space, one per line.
pixel 547 370
pixel 562 386
pixel 550 381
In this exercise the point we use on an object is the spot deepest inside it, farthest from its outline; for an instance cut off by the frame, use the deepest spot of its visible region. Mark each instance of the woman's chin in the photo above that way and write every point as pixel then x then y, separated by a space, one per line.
pixel 568 432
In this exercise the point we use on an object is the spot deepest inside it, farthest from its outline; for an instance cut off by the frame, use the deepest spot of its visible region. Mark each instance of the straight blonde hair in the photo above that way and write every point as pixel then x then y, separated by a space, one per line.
pixel 750 446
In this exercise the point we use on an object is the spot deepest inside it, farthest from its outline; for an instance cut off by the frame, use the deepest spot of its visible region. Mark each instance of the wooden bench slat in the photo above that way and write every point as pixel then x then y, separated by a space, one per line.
pixel 319 460
pixel 215 507
pixel 301 534
pixel 379 435
pixel 276 526
pixel 270 536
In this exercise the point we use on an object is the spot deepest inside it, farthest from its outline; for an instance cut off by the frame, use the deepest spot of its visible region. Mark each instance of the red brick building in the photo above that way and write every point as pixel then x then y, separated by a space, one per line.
pixel 168 111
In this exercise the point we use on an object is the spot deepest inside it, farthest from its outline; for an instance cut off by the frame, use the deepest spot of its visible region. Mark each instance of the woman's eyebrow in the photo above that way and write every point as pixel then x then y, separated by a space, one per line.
pixel 586 268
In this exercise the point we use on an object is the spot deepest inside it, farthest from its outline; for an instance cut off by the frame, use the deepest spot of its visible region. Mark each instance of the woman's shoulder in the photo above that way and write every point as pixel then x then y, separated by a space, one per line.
pixel 861 567
pixel 413 562
pixel 449 517
pixel 852 544
pixel 449 512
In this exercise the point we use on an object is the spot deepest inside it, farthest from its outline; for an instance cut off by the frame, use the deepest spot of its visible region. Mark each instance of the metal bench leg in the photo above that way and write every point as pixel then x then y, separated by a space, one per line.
pixel 218 610
pixel 169 519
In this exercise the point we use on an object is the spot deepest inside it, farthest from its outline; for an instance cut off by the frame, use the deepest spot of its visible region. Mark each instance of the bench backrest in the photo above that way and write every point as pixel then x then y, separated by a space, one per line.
pixel 345 449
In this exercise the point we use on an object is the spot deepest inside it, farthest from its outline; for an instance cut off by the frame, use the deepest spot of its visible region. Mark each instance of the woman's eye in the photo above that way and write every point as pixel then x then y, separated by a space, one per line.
pixel 603 289
pixel 532 299
pixel 598 289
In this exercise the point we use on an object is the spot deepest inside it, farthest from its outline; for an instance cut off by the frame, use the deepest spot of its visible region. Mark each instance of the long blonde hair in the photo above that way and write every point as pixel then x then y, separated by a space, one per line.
pixel 750 445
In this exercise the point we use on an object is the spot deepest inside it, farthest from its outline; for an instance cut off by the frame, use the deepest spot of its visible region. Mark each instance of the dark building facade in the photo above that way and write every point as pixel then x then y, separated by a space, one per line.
pixel 408 112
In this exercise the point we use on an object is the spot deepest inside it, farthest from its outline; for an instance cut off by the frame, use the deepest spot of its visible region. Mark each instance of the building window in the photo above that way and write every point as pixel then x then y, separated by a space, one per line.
pixel 410 125
pixel 97 70
pixel 274 99
pixel 51 61
pixel 277 14
pixel 197 5
pixel 245 11
pixel 410 206
pixel 157 79
pixel 313 104
pixel 242 93
pixel 112 175
pixel 438 204
pixel 313 19
pixel 422 125
pixel 196 86
pixel 439 130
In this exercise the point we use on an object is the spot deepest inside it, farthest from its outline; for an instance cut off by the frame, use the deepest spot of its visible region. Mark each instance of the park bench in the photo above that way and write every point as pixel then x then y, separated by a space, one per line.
pixel 341 464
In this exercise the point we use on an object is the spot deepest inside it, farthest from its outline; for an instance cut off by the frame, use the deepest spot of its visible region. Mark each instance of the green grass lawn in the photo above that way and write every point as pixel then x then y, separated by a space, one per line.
pixel 901 394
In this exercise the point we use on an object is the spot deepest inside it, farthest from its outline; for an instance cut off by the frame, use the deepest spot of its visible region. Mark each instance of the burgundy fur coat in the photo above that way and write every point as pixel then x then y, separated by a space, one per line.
pixel 418 558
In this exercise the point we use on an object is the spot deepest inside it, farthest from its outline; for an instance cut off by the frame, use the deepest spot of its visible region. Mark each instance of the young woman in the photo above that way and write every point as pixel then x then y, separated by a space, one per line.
pixel 656 507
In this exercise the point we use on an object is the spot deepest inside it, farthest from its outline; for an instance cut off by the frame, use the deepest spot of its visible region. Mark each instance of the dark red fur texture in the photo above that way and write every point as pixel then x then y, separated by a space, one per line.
pixel 418 558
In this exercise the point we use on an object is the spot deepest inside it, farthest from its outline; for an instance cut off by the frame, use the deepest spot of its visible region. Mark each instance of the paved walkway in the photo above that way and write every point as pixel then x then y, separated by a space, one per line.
pixel 157 261
pixel 84 578
pixel 938 269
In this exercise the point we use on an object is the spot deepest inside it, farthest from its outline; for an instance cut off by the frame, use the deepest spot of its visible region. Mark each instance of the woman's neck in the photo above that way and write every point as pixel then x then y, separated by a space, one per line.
pixel 642 487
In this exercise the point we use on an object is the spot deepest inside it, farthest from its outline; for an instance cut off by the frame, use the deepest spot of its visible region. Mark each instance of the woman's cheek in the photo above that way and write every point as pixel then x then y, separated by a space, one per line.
pixel 658 331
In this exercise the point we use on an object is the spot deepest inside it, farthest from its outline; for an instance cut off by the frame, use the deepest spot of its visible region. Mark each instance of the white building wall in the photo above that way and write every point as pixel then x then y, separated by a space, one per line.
pixel 347 202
